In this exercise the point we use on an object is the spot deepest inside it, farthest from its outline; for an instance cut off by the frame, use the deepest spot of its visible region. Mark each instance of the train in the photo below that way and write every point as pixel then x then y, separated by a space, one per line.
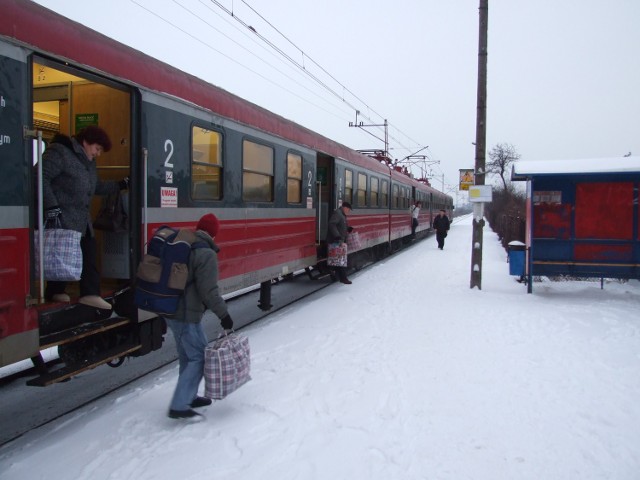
pixel 188 148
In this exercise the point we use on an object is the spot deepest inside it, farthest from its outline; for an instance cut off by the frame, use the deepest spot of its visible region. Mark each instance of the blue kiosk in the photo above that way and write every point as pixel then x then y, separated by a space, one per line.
pixel 583 218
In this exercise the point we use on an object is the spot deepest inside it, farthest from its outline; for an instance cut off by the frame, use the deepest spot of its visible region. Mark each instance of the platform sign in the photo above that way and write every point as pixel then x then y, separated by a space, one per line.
pixel 480 193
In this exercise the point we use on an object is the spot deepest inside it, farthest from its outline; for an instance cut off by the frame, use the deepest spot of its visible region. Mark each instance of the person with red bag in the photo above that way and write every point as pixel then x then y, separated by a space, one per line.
pixel 337 232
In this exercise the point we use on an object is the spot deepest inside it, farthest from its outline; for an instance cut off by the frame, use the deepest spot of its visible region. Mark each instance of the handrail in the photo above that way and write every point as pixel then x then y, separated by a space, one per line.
pixel 40 215
pixel 145 166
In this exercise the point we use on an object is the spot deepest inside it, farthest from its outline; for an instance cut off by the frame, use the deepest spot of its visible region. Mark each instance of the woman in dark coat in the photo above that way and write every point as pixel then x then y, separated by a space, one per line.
pixel 441 225
pixel 70 180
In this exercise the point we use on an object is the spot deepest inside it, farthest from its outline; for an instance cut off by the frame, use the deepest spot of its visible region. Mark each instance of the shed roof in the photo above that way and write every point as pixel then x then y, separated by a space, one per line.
pixel 524 170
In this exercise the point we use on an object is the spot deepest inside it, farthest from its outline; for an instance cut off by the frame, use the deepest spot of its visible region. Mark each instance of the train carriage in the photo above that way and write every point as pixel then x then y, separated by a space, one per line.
pixel 189 148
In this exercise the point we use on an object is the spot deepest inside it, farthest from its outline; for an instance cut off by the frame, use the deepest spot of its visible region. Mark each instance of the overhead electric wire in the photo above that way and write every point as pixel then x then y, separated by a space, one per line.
pixel 282 52
pixel 287 58
pixel 323 70
pixel 252 39
pixel 228 57
pixel 304 69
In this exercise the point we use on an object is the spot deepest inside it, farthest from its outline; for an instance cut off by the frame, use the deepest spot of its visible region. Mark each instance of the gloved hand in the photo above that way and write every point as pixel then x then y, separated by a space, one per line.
pixel 226 322
pixel 349 229
pixel 124 183
pixel 52 213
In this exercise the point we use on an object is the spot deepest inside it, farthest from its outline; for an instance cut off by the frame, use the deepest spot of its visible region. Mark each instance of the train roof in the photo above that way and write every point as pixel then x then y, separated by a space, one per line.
pixel 32 25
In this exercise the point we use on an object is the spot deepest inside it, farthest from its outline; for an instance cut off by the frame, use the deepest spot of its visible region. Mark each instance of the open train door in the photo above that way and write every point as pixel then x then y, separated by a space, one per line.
pixel 67 99
pixel 325 191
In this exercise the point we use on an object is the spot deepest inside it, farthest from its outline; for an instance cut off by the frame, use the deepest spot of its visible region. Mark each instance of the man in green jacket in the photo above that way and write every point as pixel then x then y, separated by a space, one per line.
pixel 201 294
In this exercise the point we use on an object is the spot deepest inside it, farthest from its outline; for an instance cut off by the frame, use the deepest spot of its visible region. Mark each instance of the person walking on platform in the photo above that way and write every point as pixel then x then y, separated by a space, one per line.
pixel 441 225
pixel 201 293
pixel 337 231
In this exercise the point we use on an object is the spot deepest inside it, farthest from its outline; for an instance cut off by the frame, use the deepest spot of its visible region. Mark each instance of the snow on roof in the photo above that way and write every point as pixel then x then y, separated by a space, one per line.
pixel 522 170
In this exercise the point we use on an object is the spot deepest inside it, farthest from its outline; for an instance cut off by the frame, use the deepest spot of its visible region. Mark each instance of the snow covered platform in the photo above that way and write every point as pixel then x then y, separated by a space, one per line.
pixel 405 374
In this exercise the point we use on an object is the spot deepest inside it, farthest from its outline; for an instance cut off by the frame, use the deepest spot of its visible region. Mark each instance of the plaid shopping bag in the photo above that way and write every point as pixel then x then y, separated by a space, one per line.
pixel 62 255
pixel 337 254
pixel 227 365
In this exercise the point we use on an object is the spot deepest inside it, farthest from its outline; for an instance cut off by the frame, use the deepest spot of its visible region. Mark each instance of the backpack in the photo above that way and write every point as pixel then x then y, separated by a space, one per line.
pixel 162 274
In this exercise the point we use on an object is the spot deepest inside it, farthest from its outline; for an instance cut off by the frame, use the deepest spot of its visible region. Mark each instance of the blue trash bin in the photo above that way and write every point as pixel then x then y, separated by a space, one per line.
pixel 516 251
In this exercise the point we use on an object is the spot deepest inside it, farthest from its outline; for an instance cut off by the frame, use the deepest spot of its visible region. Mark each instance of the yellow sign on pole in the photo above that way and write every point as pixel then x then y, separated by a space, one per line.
pixel 466 178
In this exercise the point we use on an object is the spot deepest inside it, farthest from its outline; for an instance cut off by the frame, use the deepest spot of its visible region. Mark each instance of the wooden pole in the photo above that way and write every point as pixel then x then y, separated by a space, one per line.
pixel 481 137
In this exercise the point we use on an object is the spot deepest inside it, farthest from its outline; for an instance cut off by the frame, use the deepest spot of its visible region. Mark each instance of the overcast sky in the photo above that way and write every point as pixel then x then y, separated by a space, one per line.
pixel 563 75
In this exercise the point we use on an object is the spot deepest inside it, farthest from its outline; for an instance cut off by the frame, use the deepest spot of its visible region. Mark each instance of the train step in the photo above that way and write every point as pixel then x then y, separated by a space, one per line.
pixel 80 331
pixel 69 371
pixel 315 274
pixel 59 317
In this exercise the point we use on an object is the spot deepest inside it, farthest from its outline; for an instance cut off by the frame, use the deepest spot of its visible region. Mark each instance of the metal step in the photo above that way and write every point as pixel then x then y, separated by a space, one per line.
pixel 81 331
pixel 315 274
pixel 71 370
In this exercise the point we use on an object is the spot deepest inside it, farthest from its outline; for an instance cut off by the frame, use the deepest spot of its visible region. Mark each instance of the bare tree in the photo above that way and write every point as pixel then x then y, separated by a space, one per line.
pixel 501 157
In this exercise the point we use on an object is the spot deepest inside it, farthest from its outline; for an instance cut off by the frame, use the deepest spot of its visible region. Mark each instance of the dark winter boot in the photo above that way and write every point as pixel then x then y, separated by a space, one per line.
pixel 343 276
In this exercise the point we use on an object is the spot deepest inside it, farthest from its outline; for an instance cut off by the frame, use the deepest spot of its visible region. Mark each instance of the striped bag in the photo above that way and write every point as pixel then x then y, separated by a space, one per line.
pixel 62 259
pixel 227 365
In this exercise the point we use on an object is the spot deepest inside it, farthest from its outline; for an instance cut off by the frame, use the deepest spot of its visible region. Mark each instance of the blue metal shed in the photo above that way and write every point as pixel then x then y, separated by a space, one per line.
pixel 582 217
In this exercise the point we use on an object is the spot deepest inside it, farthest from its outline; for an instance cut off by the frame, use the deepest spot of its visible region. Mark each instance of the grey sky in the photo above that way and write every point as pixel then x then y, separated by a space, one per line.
pixel 563 75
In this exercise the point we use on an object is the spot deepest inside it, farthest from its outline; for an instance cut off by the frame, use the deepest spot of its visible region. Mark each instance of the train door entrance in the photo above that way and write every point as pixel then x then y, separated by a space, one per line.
pixel 325 193
pixel 65 100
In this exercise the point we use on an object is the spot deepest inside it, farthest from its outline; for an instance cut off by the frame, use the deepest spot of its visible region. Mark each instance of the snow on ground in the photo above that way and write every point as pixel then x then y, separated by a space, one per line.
pixel 406 374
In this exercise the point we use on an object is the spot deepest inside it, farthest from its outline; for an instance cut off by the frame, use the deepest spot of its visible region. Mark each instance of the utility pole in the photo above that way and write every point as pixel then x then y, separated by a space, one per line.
pixel 481 136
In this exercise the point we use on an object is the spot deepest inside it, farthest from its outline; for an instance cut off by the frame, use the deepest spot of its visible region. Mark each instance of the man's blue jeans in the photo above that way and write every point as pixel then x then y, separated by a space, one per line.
pixel 190 343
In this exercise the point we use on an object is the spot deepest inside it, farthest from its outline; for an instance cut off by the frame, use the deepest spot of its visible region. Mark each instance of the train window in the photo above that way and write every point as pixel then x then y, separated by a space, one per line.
pixel 374 191
pixel 395 197
pixel 257 172
pixel 206 164
pixel 348 186
pixel 384 195
pixel 294 178
pixel 362 190
pixel 407 198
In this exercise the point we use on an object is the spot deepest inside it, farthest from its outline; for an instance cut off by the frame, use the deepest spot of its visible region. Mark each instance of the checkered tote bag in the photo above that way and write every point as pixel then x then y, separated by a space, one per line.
pixel 227 364
pixel 62 257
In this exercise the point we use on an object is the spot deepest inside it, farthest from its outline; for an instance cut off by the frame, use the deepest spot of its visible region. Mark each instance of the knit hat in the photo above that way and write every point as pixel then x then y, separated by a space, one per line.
pixel 209 223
